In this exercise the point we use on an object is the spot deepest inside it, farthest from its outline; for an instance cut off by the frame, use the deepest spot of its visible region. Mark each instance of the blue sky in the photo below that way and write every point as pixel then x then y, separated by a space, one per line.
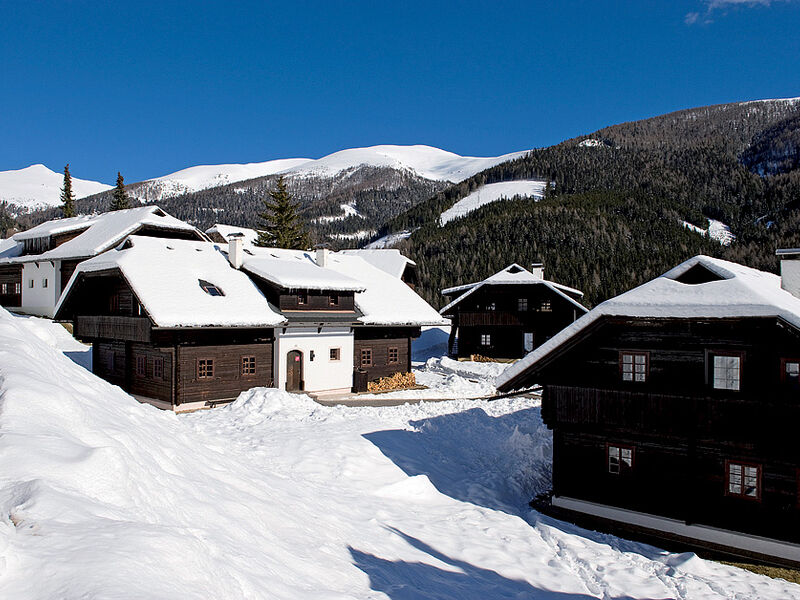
pixel 148 88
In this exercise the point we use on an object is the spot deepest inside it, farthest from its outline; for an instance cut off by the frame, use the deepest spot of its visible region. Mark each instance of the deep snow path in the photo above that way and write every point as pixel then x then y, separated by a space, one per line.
pixel 278 497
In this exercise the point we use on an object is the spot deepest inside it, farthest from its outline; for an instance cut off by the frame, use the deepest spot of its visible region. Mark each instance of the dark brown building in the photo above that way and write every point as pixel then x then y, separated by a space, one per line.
pixel 674 408
pixel 509 314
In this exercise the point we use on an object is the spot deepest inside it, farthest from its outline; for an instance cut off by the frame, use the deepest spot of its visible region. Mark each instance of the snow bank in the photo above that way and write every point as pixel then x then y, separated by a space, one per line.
pixel 275 496
pixel 717 230
pixel 492 192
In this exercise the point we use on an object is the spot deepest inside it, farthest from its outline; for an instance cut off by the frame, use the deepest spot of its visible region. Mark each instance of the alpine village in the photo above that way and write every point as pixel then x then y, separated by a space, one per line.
pixel 569 372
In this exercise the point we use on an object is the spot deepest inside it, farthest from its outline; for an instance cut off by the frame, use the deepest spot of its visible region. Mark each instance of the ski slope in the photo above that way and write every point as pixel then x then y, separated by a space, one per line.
pixel 278 497
pixel 492 192
pixel 38 187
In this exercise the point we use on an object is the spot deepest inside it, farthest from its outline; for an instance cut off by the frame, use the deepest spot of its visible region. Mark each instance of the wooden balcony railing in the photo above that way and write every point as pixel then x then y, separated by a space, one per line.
pixel 131 329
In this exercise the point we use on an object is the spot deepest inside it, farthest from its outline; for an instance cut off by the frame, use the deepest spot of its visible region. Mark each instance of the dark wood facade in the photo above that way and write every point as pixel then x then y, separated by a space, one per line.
pixel 11 285
pixel 174 366
pixel 382 352
pixel 707 420
pixel 508 321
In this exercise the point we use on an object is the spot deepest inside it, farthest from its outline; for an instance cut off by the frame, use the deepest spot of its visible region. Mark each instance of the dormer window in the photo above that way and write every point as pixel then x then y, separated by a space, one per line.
pixel 210 288
pixel 514 269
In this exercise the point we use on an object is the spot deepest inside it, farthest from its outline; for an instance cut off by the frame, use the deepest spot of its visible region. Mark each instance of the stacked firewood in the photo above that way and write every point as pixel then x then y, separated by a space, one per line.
pixel 398 381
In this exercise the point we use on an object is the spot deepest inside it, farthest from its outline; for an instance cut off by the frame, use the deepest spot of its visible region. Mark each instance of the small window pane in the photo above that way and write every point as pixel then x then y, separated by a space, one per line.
pixel 335 353
pixel 394 355
pixel 248 365
pixel 522 304
pixel 727 372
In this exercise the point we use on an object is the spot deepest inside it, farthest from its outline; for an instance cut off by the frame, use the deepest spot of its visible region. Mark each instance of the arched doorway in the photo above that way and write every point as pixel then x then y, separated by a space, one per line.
pixel 294 371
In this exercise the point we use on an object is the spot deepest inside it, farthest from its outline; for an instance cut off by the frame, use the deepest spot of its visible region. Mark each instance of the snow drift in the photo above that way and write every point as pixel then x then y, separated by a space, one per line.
pixel 278 497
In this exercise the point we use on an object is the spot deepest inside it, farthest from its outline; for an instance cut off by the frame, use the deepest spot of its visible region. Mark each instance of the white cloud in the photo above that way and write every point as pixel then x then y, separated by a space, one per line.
pixel 711 6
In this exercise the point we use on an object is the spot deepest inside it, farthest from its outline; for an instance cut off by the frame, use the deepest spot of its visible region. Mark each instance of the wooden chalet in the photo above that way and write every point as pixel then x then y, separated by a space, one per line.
pixel 36 265
pixel 674 410
pixel 186 325
pixel 508 314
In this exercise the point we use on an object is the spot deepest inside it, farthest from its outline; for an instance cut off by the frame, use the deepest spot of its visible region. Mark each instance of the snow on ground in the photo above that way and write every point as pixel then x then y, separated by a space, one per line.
pixel 356 235
pixel 389 241
pixel 37 187
pixel 717 230
pixel 348 210
pixel 275 496
pixel 492 192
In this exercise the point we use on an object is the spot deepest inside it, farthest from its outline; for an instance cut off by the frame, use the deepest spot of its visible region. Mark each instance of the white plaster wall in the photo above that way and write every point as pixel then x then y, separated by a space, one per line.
pixel 40 300
pixel 321 373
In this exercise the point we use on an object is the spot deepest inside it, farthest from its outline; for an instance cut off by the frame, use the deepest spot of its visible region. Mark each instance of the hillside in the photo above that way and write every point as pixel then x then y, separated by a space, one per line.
pixel 278 497
pixel 734 163
pixel 37 187
pixel 377 182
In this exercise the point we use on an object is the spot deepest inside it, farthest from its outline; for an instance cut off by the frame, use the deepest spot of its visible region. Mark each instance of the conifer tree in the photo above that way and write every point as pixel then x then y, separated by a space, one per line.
pixel 282 226
pixel 67 196
pixel 120 200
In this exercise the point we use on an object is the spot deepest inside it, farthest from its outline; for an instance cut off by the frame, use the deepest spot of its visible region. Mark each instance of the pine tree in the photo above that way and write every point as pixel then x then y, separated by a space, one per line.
pixel 120 200
pixel 282 226
pixel 67 196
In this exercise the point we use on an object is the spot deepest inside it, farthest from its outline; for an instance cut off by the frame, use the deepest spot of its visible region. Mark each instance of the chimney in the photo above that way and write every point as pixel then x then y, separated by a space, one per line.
pixel 537 270
pixel 322 256
pixel 790 270
pixel 236 249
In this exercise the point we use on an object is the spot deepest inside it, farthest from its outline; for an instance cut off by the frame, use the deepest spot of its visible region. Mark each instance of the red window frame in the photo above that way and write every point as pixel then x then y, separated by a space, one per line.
pixel 743 464
pixel 366 357
pixel 205 368
pixel 248 365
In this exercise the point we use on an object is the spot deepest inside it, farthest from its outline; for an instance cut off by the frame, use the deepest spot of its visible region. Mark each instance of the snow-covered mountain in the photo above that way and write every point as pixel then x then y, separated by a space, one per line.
pixel 38 187
pixel 422 161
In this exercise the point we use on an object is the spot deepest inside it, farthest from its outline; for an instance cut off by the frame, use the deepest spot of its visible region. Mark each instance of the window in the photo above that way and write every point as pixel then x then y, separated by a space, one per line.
pixel 302 297
pixel 335 353
pixel 743 480
pixel 620 459
pixel 491 306
pixel 790 372
pixel 158 368
pixel 545 306
pixel 394 356
pixel 333 300
pixel 248 365
pixel 44 282
pixel 3 288
pixel 486 339
pixel 210 288
pixel 366 357
pixel 113 303
pixel 141 366
pixel 205 368
pixel 522 304
pixel 634 366
pixel 726 372
pixel 17 288
pixel 30 283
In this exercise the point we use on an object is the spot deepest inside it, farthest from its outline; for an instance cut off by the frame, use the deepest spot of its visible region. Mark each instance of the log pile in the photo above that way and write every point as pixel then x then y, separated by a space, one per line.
pixel 398 381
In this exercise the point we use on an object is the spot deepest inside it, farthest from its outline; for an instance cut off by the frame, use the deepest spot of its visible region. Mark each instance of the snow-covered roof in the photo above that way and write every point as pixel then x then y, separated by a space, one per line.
pixel 381 298
pixel 102 231
pixel 10 248
pixel 389 260
pixel 166 277
pixel 513 274
pixel 250 235
pixel 734 291
pixel 296 270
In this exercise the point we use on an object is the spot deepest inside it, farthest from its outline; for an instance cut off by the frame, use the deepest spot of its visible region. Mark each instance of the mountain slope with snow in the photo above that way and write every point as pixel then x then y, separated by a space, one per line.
pixel 38 187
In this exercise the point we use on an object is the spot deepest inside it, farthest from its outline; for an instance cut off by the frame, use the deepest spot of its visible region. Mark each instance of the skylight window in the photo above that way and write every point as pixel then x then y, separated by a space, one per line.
pixel 210 288
pixel 698 274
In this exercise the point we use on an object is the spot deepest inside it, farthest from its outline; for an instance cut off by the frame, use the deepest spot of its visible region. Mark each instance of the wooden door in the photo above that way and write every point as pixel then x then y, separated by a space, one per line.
pixel 294 371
